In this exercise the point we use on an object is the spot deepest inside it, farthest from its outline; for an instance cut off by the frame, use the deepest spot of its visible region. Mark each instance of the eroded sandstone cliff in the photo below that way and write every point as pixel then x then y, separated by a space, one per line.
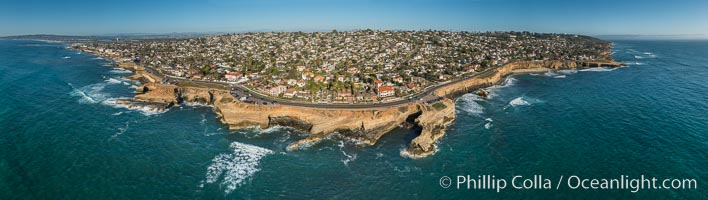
pixel 497 75
pixel 364 125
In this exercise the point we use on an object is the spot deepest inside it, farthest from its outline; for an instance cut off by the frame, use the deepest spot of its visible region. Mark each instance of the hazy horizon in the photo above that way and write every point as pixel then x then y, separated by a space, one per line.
pixel 650 18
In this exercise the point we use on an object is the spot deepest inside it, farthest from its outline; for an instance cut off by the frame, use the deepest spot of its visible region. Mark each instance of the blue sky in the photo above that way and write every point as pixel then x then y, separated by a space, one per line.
pixel 83 17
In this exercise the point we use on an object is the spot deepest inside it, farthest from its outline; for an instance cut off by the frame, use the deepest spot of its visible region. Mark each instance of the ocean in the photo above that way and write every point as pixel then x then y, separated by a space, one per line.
pixel 62 136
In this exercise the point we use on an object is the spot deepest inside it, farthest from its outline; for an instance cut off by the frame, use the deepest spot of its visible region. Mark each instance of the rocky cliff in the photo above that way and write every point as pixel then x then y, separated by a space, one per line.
pixel 364 125
pixel 157 93
pixel 497 75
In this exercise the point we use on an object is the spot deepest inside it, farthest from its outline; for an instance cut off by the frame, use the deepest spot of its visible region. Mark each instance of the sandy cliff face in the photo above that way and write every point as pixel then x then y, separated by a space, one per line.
pixel 496 76
pixel 157 93
pixel 433 119
pixel 365 125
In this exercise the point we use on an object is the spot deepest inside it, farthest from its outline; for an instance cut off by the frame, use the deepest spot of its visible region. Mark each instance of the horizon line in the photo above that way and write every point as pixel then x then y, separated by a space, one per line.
pixel 622 36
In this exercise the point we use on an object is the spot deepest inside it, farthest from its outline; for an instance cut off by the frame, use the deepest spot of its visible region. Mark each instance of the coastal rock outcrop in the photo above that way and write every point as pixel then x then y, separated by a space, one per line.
pixel 482 93
pixel 157 93
pixel 365 125
pixel 497 75
pixel 433 120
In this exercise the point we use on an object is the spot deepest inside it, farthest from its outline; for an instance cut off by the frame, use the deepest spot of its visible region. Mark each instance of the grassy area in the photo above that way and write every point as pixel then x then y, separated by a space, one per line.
pixel 439 106
pixel 226 100
pixel 402 109
pixel 202 85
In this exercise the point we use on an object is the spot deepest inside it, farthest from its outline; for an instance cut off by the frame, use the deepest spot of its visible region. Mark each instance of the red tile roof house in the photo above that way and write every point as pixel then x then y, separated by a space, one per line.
pixel 290 93
pixel 378 82
pixel 385 91
pixel 233 76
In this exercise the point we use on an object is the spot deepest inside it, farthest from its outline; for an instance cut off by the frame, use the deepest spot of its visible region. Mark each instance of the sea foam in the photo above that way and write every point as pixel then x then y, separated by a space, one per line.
pixel 232 169
pixel 347 157
pixel 113 81
pixel 145 110
pixel 120 71
pixel 89 94
pixel 509 81
pixel 597 69
pixel 523 101
pixel 489 123
pixel 468 103
pixel 519 101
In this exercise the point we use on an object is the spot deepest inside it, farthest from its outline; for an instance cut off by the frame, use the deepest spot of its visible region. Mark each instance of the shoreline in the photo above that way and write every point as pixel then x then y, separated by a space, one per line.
pixel 365 125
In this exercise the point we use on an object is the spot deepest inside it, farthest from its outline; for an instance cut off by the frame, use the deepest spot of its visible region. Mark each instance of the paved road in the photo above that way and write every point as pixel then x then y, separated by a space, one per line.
pixel 239 91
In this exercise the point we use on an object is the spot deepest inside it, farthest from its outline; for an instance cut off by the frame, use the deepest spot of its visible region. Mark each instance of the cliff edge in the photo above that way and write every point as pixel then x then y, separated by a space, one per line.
pixel 365 125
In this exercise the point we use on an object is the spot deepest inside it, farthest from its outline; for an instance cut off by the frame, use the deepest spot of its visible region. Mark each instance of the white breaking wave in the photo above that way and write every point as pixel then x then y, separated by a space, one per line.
pixel 93 94
pixel 550 74
pixel 468 103
pixel 509 81
pixel 122 130
pixel 633 63
pixel 145 110
pixel 647 56
pixel 257 131
pixel 275 129
pixel 120 71
pixel 519 101
pixel 89 94
pixel 348 157
pixel 404 153
pixel 236 167
pixel 523 101
pixel 113 81
pixel 195 104
pixel 489 123
pixel 568 71
pixel 562 75
pixel 597 69
pixel 650 55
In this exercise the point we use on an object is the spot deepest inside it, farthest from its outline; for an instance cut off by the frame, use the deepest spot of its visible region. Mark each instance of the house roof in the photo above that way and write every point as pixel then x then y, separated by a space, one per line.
pixel 385 88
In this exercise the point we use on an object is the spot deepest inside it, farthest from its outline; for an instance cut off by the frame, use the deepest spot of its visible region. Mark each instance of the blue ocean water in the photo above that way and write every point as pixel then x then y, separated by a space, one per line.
pixel 61 136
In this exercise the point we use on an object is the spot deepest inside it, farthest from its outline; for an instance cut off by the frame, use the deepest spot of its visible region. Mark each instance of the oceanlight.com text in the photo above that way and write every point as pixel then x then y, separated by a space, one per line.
pixel 573 182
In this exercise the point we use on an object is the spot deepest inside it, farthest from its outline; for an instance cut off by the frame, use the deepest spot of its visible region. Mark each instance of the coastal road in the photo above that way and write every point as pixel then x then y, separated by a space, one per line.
pixel 424 97
pixel 255 97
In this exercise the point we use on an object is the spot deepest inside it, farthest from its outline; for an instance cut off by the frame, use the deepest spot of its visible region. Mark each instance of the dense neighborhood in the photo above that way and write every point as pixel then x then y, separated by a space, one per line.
pixel 362 66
